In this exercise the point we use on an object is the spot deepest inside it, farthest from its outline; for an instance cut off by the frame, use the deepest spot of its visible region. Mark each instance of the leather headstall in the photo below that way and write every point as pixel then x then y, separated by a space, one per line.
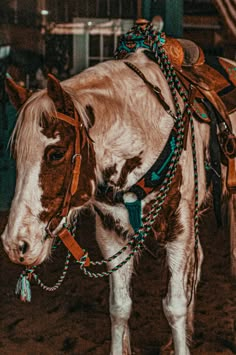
pixel 81 137
pixel 76 159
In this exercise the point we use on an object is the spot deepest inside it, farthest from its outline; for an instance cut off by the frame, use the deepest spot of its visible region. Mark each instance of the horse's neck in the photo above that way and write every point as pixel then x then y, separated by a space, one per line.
pixel 130 130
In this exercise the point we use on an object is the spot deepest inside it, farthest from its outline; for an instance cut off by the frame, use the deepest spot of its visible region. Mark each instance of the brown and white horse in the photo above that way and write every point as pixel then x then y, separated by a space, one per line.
pixel 121 130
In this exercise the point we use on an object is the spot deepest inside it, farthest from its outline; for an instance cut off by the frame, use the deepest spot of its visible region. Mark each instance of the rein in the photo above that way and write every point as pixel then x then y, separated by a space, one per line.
pixel 137 241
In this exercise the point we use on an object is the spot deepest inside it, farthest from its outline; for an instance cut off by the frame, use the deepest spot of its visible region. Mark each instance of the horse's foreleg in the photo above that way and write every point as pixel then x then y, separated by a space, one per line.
pixel 120 301
pixel 179 302
pixel 120 308
pixel 175 309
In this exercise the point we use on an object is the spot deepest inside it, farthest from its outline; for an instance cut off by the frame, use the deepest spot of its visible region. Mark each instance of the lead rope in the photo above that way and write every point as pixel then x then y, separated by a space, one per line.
pixel 136 243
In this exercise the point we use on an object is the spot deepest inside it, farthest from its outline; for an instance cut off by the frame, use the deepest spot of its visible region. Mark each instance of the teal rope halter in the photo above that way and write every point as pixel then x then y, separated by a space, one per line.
pixel 154 41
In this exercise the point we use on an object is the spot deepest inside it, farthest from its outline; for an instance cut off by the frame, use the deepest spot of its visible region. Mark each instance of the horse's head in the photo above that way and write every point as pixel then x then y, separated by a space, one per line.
pixel 55 168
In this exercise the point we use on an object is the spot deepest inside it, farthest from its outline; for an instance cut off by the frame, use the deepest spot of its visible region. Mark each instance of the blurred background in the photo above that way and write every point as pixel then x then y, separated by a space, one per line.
pixel 65 37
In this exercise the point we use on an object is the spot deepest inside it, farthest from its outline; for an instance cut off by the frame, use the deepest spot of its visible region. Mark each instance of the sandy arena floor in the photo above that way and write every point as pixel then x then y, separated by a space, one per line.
pixel 75 320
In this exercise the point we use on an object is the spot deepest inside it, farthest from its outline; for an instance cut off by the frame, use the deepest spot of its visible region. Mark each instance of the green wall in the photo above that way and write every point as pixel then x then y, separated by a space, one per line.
pixel 7 164
pixel 170 10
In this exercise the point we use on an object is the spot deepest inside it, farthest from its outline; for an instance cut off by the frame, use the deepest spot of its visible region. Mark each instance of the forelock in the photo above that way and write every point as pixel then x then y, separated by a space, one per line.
pixel 30 119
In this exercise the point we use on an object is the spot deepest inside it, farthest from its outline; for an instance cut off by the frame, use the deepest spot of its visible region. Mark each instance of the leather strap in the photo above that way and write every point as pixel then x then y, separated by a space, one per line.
pixel 231 175
pixel 207 93
pixel 74 248
pixel 76 159
pixel 191 98
pixel 80 132
pixel 72 121
pixel 215 100
pixel 65 235
pixel 155 88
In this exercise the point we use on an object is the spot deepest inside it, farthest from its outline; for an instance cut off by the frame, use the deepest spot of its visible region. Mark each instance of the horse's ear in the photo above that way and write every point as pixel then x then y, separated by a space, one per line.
pixel 17 94
pixel 59 96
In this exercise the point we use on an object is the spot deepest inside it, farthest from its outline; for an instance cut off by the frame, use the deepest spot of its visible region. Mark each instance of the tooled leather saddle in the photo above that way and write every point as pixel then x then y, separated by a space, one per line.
pixel 212 80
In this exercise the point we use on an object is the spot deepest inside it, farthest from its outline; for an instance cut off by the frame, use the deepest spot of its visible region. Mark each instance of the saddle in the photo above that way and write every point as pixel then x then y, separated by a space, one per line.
pixel 211 88
pixel 206 83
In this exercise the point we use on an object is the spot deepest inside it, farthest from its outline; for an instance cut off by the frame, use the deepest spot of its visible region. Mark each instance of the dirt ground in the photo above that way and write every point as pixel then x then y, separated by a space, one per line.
pixel 75 319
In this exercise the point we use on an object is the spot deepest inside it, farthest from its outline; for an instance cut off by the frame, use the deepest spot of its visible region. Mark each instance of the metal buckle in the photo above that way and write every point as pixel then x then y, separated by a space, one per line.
pixel 74 157
pixel 49 233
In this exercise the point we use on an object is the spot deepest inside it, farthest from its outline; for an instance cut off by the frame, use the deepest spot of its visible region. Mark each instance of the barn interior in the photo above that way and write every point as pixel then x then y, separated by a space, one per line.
pixel 64 38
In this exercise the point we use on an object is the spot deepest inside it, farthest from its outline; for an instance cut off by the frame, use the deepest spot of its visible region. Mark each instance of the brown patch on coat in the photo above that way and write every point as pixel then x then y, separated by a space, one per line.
pixel 127 168
pixel 112 224
pixel 108 172
pixel 87 175
pixel 55 177
pixel 167 224
pixel 191 272
pixel 165 276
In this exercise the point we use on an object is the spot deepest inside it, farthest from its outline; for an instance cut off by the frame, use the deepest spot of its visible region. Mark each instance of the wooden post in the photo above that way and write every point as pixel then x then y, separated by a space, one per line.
pixel 146 9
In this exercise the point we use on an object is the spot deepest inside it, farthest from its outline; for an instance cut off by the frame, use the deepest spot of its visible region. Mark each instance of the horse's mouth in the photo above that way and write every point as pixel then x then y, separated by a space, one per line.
pixel 29 264
pixel 26 260
pixel 35 255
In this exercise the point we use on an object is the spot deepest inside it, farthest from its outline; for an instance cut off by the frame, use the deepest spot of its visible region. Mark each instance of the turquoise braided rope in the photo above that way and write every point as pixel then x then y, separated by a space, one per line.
pixel 59 281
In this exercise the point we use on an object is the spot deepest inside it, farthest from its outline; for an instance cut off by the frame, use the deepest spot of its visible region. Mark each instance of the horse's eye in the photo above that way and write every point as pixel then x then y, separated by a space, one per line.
pixel 55 155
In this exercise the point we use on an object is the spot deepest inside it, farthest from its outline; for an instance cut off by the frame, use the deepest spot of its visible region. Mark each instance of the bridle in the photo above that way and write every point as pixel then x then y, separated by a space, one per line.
pixel 81 138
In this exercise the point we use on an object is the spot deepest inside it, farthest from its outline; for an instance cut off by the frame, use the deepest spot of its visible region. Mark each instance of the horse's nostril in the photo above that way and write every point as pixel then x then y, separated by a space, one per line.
pixel 24 246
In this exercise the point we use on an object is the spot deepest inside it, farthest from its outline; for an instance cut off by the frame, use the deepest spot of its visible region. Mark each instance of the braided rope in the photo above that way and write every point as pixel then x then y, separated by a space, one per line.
pixel 59 281
pixel 66 266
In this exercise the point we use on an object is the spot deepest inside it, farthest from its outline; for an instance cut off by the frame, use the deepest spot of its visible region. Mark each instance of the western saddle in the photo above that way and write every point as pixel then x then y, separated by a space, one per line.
pixel 203 82
pixel 211 88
